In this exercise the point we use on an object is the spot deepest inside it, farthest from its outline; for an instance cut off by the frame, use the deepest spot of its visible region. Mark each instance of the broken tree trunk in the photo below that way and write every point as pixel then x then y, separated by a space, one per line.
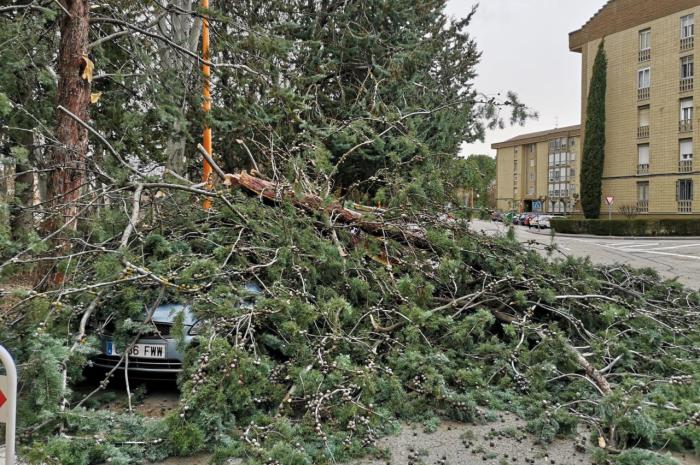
pixel 67 159
pixel 274 192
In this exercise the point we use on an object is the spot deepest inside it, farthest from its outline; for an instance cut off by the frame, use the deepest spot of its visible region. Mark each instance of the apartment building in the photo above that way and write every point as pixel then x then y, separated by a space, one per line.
pixel 651 129
pixel 538 172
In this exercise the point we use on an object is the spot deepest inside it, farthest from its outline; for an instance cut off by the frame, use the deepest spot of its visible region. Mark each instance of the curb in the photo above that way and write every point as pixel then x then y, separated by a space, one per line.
pixel 546 232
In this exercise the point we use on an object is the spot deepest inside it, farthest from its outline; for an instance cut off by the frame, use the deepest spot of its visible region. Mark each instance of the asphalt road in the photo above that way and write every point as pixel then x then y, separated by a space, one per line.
pixel 671 257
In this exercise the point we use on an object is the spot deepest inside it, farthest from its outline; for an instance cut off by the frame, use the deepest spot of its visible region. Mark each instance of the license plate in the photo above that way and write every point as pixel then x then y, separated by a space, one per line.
pixel 140 350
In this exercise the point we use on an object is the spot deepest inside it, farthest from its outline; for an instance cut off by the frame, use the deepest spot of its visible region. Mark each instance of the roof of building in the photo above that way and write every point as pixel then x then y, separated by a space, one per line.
pixel 620 15
pixel 541 136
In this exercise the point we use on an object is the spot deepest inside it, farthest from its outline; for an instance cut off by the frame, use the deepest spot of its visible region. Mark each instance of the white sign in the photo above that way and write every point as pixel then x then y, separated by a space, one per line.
pixel 4 404
pixel 610 200
pixel 8 403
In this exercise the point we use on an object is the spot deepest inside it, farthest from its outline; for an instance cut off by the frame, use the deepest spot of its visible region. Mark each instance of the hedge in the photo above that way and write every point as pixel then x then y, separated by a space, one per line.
pixel 634 227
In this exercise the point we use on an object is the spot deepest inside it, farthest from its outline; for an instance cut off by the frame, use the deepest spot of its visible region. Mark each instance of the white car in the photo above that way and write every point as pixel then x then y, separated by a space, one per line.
pixel 542 221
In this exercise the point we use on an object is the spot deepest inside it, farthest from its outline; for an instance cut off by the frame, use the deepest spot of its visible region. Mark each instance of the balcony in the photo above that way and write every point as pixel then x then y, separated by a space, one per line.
pixel 644 93
pixel 685 166
pixel 685 126
pixel 687 43
pixel 686 84
pixel 642 168
pixel 644 55
pixel 643 132
pixel 685 206
pixel 643 206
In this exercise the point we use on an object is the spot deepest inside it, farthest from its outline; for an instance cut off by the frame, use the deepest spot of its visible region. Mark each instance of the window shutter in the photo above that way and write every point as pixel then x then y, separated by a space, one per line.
pixel 643 117
pixel 678 191
pixel 644 155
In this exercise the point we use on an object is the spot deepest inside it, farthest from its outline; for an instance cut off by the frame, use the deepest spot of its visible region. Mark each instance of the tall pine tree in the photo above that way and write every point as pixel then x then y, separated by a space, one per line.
pixel 594 141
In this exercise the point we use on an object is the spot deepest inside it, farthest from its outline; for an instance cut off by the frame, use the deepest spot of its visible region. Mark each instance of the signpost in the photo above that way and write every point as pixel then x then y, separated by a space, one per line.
pixel 8 403
pixel 610 201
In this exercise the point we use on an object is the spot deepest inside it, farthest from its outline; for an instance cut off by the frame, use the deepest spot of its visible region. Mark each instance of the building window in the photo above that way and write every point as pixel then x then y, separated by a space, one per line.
pixel 684 190
pixel 686 149
pixel 686 117
pixel 687 109
pixel 643 116
pixel 688 26
pixel 645 39
pixel 643 197
pixel 643 152
pixel 644 80
pixel 643 191
pixel 532 148
pixel 687 68
pixel 645 45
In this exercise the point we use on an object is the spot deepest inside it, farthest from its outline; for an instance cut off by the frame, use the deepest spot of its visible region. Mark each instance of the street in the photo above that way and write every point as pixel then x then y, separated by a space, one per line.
pixel 672 258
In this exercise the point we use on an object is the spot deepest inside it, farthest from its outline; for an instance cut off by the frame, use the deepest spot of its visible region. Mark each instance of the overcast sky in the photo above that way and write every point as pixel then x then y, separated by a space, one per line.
pixel 525 45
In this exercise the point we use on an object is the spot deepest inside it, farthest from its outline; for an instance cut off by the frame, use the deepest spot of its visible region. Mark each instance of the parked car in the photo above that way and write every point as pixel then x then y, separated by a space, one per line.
pixel 156 355
pixel 528 219
pixel 496 216
pixel 510 217
pixel 543 221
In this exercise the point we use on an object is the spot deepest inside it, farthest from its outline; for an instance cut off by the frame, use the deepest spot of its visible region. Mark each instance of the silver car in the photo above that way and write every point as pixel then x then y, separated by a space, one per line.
pixel 155 353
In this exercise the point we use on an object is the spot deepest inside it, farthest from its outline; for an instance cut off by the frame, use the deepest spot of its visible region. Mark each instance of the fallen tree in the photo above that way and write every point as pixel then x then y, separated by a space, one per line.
pixel 341 345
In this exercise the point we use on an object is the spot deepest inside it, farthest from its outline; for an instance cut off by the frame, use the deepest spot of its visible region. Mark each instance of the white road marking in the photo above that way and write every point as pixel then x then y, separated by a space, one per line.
pixel 639 245
pixel 678 247
pixel 694 257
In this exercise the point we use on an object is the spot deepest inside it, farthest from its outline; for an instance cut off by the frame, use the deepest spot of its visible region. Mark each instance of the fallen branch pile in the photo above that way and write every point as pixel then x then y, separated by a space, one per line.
pixel 341 344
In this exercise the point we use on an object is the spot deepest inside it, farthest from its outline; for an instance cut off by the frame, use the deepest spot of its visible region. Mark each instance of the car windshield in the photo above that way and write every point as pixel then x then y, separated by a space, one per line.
pixel 168 312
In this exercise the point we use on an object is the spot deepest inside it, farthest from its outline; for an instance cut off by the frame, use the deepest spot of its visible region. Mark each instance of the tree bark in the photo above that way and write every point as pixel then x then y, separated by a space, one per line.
pixel 67 159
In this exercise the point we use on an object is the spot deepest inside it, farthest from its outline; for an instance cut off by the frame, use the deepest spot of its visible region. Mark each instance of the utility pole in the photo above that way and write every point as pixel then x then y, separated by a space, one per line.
pixel 206 94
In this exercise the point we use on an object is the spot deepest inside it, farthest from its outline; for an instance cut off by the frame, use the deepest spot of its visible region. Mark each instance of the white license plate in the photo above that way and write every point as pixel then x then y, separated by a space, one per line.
pixel 140 350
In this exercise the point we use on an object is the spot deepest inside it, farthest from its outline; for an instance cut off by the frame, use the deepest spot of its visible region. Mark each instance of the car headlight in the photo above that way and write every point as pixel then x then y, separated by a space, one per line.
pixel 196 328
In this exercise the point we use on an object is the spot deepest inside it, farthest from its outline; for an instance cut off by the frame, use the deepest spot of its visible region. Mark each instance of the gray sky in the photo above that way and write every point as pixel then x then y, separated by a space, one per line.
pixel 525 45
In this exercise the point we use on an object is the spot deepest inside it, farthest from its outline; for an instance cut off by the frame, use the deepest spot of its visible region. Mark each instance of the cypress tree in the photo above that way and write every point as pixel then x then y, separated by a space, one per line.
pixel 594 141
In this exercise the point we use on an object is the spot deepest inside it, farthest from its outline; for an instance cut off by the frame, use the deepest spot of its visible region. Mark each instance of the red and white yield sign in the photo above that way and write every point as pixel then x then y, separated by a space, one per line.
pixel 609 200
pixel 8 403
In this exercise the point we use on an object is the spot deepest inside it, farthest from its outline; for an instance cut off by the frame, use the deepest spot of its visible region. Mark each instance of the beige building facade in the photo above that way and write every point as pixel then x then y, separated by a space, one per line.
pixel 652 126
pixel 539 172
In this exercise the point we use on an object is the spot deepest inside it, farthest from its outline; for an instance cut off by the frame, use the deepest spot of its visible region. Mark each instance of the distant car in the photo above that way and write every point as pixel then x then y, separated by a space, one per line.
pixel 156 355
pixel 528 219
pixel 543 221
pixel 509 217
pixel 496 216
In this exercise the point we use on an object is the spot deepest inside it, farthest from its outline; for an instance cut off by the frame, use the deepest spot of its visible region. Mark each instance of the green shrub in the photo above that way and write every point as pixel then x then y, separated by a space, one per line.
pixel 626 227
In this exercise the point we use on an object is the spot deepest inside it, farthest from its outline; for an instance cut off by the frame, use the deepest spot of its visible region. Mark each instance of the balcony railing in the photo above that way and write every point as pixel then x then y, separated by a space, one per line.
pixel 685 206
pixel 686 84
pixel 687 43
pixel 643 168
pixel 642 132
pixel 644 55
pixel 685 126
pixel 685 166
pixel 644 93
pixel 643 206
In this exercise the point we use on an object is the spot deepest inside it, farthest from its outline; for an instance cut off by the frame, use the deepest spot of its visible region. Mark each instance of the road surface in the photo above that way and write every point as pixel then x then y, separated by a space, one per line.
pixel 672 258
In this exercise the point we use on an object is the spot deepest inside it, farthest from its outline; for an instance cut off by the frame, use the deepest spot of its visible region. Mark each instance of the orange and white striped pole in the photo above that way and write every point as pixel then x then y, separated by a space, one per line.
pixel 206 94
